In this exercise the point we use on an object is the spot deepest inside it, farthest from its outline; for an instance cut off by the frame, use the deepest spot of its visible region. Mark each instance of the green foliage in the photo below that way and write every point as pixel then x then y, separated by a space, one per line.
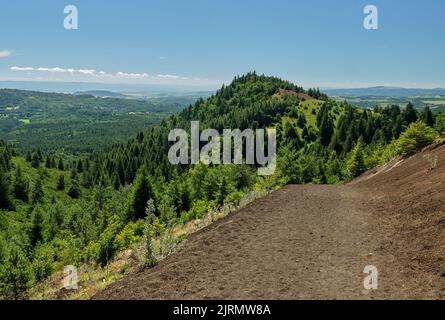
pixel 410 114
pixel 61 183
pixel 417 136
pixel 107 243
pixel 356 164
pixel 21 186
pixel 36 230
pixel 37 193
pixel 130 234
pixel 15 276
pixel 42 264
pixel 198 210
pixel 390 152
pixel 167 212
pixel 157 227
pixel 6 201
pixel 290 134
pixel 289 166
pixel 440 124
pixel 301 120
pixel 74 191
pixel 428 117
pixel 142 192
pixel 104 249
pixel 233 197
pixel 325 126
pixel 78 123
pixel 61 165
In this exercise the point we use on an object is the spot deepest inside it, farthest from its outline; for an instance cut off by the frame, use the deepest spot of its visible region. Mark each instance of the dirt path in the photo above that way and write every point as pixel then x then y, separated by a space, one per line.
pixel 301 242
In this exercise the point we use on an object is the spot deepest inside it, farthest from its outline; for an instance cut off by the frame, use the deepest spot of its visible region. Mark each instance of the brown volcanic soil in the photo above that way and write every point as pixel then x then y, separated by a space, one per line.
pixel 302 96
pixel 313 242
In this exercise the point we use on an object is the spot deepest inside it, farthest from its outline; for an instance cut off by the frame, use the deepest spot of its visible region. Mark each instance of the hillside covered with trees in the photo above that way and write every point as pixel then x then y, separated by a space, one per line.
pixel 79 123
pixel 56 212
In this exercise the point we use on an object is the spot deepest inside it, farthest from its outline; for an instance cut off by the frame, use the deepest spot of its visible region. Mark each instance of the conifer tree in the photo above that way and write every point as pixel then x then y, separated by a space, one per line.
pixel 36 232
pixel 37 193
pixel 5 193
pixel 60 165
pixel 35 160
pixel 355 165
pixel 141 194
pixel 428 117
pixel 48 162
pixel 326 130
pixel 301 120
pixel 61 183
pixel 74 191
pixel 410 114
pixel 15 276
pixel 21 186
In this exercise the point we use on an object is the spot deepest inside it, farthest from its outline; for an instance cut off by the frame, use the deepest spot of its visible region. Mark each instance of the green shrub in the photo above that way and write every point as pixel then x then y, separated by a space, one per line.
pixel 74 191
pixel 440 124
pixel 198 211
pixel 67 252
pixel 91 252
pixel 167 212
pixel 232 198
pixel 356 165
pixel 42 265
pixel 15 276
pixel 417 136
pixel 130 234
pixel 103 250
pixel 374 158
pixel 390 152
pixel 107 245
pixel 289 166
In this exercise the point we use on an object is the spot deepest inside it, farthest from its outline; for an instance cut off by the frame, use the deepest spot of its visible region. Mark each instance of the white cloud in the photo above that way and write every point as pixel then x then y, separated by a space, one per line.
pixel 5 53
pixel 84 72
pixel 87 71
pixel 171 76
pixel 132 75
pixel 167 76
pixel 53 70
pixel 22 69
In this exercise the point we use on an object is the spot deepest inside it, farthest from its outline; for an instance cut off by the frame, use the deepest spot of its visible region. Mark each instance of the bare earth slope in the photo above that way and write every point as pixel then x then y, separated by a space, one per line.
pixel 313 242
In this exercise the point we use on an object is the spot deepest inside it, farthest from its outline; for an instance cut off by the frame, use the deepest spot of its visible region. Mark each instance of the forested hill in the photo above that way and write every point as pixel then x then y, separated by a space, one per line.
pixel 55 213
pixel 250 101
pixel 56 122
pixel 28 102
pixel 308 123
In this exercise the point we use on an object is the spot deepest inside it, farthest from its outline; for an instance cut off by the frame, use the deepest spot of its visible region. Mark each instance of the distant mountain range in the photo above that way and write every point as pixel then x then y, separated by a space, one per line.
pixel 385 92
pixel 138 91
pixel 116 90
pixel 101 94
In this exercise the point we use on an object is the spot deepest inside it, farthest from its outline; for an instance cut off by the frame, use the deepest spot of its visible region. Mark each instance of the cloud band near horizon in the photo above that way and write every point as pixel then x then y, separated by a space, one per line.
pixel 101 74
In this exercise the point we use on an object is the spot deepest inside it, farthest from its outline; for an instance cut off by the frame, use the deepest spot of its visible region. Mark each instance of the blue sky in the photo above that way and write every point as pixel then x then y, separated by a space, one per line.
pixel 205 43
